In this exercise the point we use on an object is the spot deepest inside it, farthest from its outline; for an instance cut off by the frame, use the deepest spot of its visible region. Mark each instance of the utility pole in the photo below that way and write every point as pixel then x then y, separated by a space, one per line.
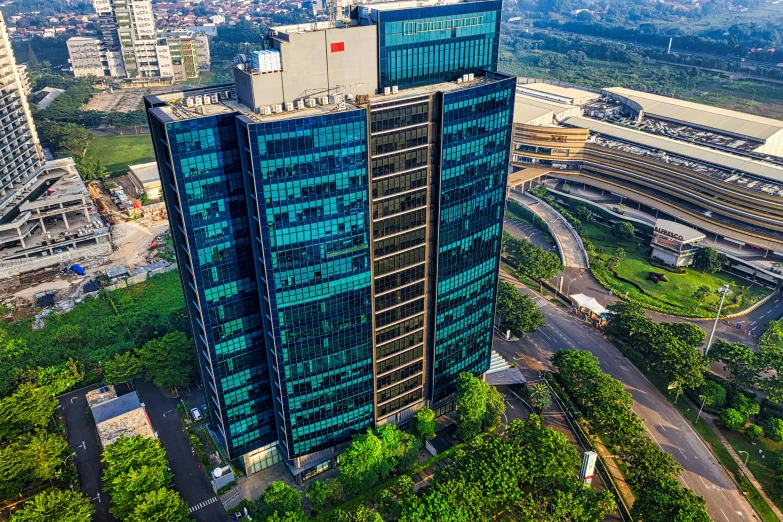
pixel 724 290
pixel 669 50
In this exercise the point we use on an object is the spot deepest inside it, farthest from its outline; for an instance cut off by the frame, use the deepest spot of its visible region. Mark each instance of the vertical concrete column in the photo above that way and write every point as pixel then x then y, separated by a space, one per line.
pixel 65 220
pixel 42 225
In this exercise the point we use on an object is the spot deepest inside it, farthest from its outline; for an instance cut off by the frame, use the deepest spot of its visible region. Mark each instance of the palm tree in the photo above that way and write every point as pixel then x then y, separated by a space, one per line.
pixel 540 397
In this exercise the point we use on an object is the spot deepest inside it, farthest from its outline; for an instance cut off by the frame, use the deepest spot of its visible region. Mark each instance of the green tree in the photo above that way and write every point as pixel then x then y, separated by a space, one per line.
pixel 701 293
pixel 44 453
pixel 616 258
pixel 733 419
pixel 678 361
pixel 583 213
pixel 519 313
pixel 648 465
pixel 754 432
pixel 127 453
pixel 771 360
pixel 32 59
pixel 29 407
pixel 373 455
pixel 494 409
pixel 714 394
pixel 624 320
pixel 775 429
pixel 130 489
pixel 169 361
pixel 708 260
pixel 54 505
pixel 745 405
pixel 160 505
pixel 404 485
pixel 317 494
pixel 540 397
pixel 385 504
pixel 68 139
pixel 122 368
pixel 425 424
pixel 280 500
pixel 739 360
pixel 623 230
pixel 670 502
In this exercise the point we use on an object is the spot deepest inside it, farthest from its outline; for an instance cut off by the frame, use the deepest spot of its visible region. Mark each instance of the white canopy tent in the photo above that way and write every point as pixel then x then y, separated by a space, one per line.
pixel 585 301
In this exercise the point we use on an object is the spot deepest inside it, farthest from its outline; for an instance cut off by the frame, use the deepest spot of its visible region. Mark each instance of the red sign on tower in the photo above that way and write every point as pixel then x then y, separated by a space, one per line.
pixel 338 47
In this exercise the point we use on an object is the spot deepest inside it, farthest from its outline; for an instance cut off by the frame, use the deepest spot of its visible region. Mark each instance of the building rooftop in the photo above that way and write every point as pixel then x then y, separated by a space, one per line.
pixel 723 120
pixel 529 108
pixel 725 167
pixel 121 416
pixel 176 107
pixel 145 172
pixel 547 90
pixel 685 232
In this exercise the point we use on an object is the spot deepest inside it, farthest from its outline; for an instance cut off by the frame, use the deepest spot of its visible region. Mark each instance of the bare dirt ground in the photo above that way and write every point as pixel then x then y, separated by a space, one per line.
pixel 133 240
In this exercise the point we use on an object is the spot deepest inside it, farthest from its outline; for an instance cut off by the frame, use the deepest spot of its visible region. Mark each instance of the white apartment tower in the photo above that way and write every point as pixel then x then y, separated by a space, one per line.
pixel 128 28
pixel 21 157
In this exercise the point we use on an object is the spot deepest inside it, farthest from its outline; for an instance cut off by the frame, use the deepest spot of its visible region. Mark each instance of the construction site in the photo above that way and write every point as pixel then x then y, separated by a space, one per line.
pixel 60 237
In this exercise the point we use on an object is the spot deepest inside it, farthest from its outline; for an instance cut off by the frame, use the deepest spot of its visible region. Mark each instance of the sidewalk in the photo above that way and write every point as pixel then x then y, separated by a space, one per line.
pixel 711 419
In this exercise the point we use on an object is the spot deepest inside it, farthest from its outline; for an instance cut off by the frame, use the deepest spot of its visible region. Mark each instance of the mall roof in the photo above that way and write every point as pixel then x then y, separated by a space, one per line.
pixel 529 109
pixel 705 116
pixel 695 152
pixel 568 94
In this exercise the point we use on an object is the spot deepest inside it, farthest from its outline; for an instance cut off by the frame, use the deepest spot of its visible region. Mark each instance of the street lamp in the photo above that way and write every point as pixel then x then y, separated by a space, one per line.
pixel 723 291
pixel 568 288
pixel 704 397
pixel 746 456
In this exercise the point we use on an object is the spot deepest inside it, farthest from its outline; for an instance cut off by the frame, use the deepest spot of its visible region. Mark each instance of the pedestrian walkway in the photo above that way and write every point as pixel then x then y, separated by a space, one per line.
pixel 573 254
pixel 713 425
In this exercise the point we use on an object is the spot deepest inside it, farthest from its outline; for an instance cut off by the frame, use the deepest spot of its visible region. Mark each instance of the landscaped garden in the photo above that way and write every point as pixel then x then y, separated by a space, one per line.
pixel 676 293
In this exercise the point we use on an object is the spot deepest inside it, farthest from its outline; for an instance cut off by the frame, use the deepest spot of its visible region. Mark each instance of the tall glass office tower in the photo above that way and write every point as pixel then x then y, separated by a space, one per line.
pixel 338 223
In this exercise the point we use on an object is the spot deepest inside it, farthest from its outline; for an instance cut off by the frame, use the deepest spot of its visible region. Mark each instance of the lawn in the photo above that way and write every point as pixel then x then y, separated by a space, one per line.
pixel 117 152
pixel 675 295
pixel 762 468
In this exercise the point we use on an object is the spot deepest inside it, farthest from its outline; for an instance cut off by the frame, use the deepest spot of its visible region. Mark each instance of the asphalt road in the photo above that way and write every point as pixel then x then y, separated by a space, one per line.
pixel 701 470
pixel 189 479
pixel 83 439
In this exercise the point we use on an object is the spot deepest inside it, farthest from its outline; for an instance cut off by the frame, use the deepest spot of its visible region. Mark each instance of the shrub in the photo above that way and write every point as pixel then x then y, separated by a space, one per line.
pixel 745 405
pixel 732 419
pixel 754 432
pixel 775 429
pixel 779 463
pixel 715 394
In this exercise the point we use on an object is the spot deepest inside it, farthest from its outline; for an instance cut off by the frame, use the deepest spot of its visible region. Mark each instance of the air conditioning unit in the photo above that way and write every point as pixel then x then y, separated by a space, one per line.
pixel 324 100
pixel 311 102
pixel 189 101
pixel 394 89
pixel 267 110
pixel 464 77
pixel 214 98
pixel 199 100
pixel 336 98
pixel 278 108
pixel 207 100
pixel 289 106
pixel 459 80
pixel 300 104
pixel 227 95
pixel 386 91
pixel 471 77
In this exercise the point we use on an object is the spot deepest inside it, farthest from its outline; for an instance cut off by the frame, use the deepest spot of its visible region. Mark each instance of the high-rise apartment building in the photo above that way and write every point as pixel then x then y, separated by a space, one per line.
pixel 130 46
pixel 337 213
pixel 21 157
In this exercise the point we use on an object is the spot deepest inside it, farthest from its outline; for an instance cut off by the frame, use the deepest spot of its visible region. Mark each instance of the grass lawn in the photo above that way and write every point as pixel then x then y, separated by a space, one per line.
pixel 762 468
pixel 117 152
pixel 678 290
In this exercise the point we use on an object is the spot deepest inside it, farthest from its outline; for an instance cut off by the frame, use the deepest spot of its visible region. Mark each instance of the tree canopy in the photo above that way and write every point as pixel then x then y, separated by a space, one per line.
pixel 518 312
pixel 280 502
pixel 29 407
pixel 479 406
pixel 54 505
pixel 170 361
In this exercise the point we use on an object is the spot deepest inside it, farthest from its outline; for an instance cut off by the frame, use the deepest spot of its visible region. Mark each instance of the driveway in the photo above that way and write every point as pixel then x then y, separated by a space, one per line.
pixel 189 479
pixel 83 439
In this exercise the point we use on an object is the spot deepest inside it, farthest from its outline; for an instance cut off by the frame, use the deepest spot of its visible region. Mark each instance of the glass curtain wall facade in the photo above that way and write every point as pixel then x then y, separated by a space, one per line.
pixel 429 45
pixel 476 138
pixel 201 175
pixel 310 197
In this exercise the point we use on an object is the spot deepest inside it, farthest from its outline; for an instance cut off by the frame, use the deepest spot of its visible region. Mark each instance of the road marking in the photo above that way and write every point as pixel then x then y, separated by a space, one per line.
pixel 754 322
pixel 683 481
pixel 545 335
pixel 702 481
pixel 509 404
pixel 653 437
pixel 202 504
pixel 661 425
pixel 683 454
pixel 724 514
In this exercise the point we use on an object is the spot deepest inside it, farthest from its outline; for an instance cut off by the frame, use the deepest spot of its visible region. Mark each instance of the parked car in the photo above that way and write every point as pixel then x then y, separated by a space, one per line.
pixel 196 414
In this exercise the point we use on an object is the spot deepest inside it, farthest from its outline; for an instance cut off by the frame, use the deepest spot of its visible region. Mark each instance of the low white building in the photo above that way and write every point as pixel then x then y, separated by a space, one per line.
pixel 674 244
